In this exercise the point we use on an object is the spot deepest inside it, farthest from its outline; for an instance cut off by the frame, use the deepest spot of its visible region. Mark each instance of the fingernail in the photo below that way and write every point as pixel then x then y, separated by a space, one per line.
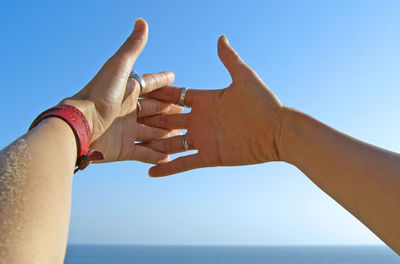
pixel 226 39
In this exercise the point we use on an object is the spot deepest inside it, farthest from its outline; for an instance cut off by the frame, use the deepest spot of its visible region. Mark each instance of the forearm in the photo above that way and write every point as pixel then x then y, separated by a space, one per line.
pixel 364 179
pixel 35 182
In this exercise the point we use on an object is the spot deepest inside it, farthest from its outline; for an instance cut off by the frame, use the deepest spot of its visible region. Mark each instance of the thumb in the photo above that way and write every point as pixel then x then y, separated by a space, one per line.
pixel 232 61
pixel 133 46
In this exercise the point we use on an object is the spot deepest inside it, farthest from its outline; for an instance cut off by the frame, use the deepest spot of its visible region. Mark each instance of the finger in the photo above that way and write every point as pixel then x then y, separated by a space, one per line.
pixel 147 155
pixel 170 145
pixel 178 165
pixel 147 133
pixel 133 46
pixel 151 107
pixel 122 61
pixel 166 121
pixel 154 81
pixel 175 109
pixel 232 61
pixel 172 94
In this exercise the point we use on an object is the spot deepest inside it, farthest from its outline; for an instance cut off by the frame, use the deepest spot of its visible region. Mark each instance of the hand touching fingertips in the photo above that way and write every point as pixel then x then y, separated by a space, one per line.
pixel 238 125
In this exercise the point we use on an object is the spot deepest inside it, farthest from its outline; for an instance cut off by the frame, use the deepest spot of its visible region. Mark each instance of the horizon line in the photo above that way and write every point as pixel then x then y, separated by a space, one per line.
pixel 230 245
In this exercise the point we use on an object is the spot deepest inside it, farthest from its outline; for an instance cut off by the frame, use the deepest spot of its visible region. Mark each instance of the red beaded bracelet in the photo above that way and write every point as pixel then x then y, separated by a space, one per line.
pixel 79 124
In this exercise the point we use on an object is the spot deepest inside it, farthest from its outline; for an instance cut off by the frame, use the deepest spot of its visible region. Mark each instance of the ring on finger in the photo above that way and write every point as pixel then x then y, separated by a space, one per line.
pixel 139 78
pixel 138 107
pixel 181 101
pixel 185 142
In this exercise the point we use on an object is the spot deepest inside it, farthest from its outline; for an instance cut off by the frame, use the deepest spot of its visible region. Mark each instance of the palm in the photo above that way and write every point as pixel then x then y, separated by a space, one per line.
pixel 116 143
pixel 238 125
pixel 239 136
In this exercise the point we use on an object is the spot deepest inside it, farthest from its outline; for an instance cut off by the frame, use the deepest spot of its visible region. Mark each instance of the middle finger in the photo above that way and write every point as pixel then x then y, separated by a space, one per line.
pixel 146 133
pixel 151 107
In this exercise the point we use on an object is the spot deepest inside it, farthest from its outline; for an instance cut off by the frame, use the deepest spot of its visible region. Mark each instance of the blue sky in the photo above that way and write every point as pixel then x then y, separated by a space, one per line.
pixel 338 61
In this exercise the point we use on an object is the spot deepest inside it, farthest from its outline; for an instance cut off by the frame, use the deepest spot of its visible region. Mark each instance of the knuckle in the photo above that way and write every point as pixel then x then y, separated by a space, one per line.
pixel 135 85
pixel 151 81
pixel 163 78
pixel 152 107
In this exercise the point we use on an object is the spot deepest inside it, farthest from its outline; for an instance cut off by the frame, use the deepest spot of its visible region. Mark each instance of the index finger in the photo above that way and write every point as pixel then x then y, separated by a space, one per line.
pixel 154 81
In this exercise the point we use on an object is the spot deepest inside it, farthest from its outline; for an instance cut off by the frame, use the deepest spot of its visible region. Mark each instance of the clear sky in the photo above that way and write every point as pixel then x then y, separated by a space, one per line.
pixel 338 61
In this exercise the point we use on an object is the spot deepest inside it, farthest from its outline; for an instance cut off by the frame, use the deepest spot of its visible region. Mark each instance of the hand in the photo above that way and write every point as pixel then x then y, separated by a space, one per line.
pixel 102 99
pixel 117 142
pixel 109 103
pixel 238 125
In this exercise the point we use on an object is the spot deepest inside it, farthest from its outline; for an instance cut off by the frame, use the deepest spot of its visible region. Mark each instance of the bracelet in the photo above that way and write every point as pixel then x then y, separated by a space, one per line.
pixel 80 126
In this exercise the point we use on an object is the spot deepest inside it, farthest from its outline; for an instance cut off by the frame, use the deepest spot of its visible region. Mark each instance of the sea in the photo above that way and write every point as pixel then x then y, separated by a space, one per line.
pixel 123 254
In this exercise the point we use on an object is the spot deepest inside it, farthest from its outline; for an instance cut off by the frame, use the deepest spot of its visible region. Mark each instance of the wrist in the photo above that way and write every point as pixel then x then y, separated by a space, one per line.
pixel 85 106
pixel 69 112
pixel 289 131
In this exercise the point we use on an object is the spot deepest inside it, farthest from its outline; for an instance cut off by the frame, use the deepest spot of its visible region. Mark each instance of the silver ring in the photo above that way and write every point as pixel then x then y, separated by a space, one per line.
pixel 139 78
pixel 182 97
pixel 138 107
pixel 185 143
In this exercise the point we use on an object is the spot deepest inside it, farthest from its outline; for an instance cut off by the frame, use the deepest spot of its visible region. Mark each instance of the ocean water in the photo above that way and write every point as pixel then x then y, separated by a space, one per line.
pixel 122 254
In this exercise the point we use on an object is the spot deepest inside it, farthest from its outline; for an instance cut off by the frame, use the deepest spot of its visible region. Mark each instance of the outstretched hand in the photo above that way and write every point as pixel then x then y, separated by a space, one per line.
pixel 109 103
pixel 238 125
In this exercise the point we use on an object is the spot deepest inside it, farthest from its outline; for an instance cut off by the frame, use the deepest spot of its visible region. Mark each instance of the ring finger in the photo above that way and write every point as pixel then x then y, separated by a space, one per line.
pixel 170 145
